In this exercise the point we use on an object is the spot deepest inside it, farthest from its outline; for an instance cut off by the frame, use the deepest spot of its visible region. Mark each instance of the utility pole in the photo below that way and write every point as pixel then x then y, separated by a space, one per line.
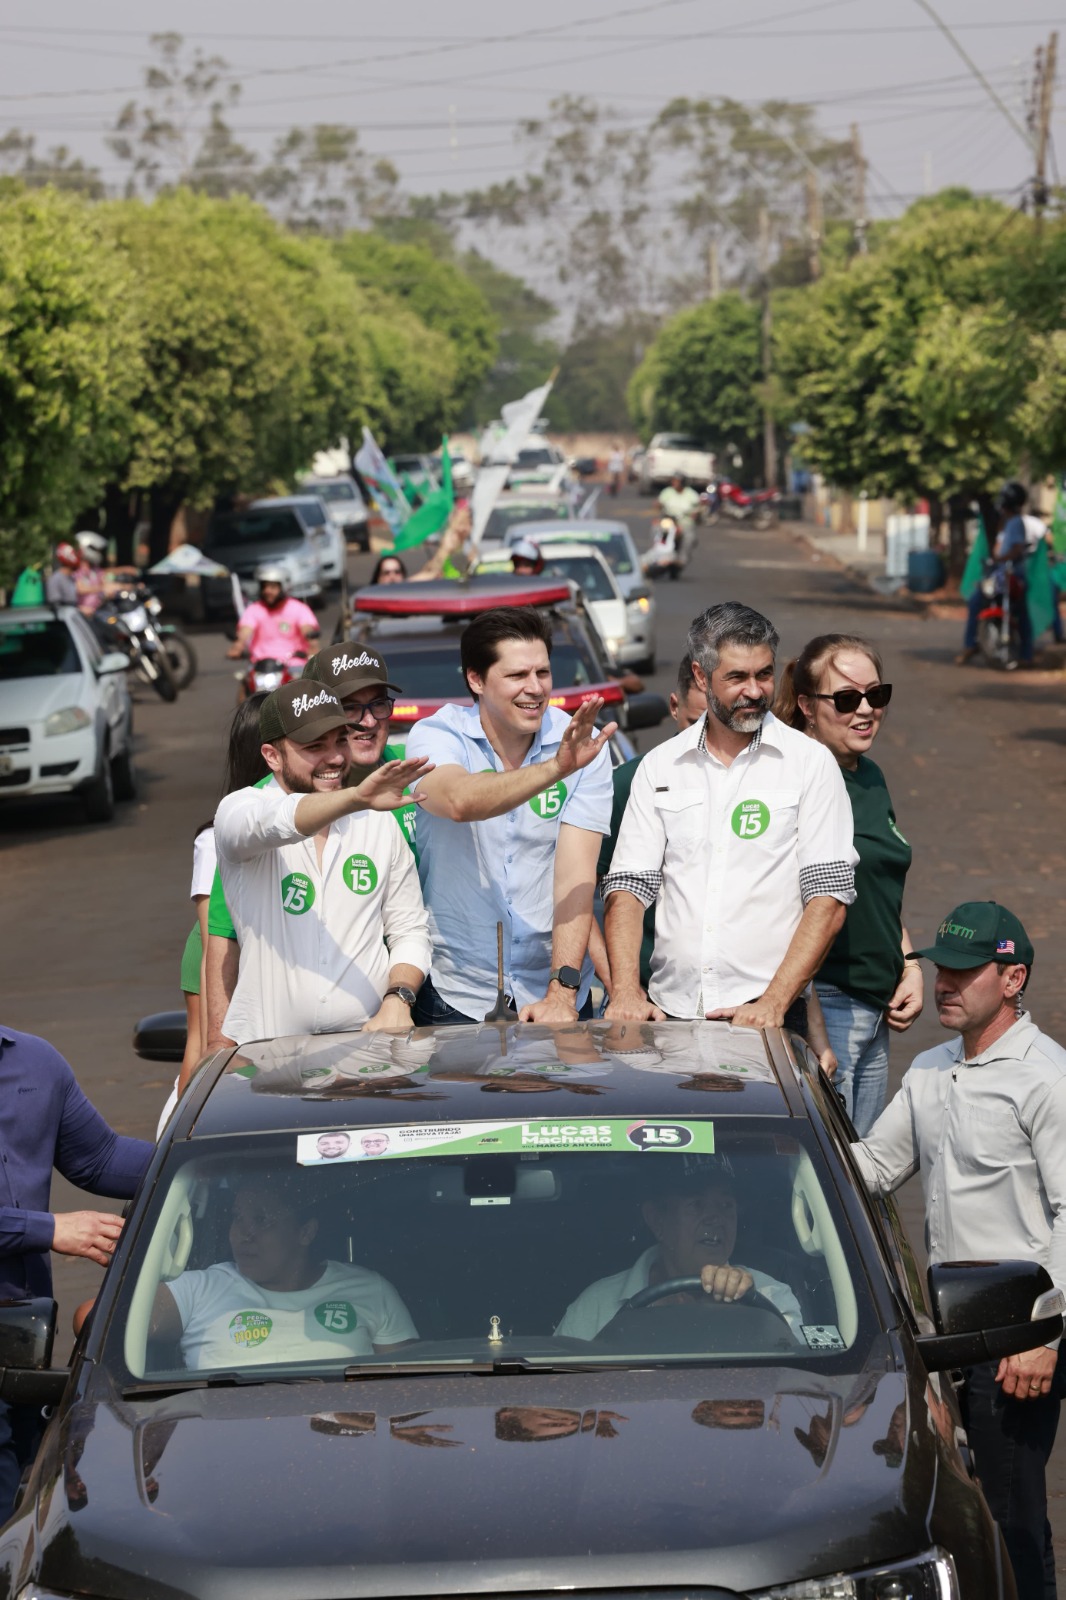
pixel 814 227
pixel 714 271
pixel 768 433
pixel 859 168
pixel 1040 118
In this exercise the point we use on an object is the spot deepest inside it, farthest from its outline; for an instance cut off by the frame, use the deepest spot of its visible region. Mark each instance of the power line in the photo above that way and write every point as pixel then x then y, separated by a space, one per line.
pixel 975 69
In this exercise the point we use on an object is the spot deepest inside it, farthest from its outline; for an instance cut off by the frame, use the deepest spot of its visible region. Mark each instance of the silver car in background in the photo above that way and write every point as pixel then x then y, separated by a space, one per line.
pixel 345 507
pixel 615 544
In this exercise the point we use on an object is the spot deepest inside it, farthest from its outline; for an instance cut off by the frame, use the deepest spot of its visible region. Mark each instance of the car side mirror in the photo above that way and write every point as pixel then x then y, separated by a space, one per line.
pixel 112 661
pixel 27 1334
pixel 161 1037
pixel 985 1310
pixel 645 710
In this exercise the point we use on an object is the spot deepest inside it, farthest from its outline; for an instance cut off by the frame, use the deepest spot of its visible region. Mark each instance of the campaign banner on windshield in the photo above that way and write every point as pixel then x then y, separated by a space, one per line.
pixel 505 1138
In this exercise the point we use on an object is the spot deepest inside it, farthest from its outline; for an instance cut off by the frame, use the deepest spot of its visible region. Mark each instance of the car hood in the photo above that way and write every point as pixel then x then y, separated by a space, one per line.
pixel 460 1483
pixel 32 699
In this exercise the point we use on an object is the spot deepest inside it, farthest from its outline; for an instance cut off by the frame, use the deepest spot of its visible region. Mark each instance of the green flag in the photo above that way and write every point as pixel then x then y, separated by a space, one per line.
pixel 975 564
pixel 1040 590
pixel 432 515
pixel 1058 521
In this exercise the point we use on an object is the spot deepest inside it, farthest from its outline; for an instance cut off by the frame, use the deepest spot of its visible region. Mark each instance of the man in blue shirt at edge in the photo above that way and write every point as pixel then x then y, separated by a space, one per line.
pixel 1012 550
pixel 46 1121
pixel 509 829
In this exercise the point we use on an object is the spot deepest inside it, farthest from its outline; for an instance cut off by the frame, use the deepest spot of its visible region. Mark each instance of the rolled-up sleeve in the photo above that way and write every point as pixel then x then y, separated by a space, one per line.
pixel 591 796
pixel 826 852
pixel 252 821
pixel 637 863
pixel 404 916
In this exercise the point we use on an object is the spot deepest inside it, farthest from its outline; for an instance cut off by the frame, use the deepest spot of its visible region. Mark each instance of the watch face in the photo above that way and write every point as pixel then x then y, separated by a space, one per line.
pixel 570 977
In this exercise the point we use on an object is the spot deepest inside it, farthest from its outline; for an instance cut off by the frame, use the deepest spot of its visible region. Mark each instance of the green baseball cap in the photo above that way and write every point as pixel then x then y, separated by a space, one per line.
pixel 977 932
pixel 300 711
pixel 346 668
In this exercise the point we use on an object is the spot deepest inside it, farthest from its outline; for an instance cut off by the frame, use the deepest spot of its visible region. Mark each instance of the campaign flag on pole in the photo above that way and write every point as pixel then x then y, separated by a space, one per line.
pixel 498 451
pixel 432 515
pixel 1040 591
pixel 375 470
pixel 1058 520
pixel 975 564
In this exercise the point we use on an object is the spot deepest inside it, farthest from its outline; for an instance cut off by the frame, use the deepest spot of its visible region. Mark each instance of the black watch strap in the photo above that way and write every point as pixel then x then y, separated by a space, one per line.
pixel 407 995
pixel 569 977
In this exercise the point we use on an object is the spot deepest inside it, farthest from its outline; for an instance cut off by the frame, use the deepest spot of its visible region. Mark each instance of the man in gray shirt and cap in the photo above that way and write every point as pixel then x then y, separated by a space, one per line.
pixel 984 1119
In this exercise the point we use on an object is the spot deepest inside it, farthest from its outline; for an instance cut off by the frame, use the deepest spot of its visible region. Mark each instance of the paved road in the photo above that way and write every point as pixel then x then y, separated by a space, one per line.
pixel 96 917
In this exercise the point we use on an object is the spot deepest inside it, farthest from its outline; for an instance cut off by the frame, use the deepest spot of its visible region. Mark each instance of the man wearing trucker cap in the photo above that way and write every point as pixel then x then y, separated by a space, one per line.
pixel 984 1118
pixel 321 885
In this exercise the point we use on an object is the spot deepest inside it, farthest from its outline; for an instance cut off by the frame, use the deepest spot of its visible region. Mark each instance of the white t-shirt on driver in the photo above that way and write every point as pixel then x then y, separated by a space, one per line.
pixel 226 1319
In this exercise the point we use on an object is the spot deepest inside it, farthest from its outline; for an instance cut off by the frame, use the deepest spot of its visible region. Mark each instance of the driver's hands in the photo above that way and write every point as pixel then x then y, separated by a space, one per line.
pixel 726 1283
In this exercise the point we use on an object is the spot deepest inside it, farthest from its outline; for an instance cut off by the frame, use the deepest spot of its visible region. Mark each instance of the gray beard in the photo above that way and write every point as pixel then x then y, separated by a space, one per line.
pixel 738 719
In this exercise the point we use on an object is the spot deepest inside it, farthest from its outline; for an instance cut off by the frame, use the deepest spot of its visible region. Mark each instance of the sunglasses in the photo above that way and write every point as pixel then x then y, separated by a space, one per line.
pixel 380 709
pixel 848 700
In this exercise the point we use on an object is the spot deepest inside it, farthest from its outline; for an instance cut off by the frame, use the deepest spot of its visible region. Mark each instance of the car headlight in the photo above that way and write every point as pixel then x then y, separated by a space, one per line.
pixel 69 720
pixel 928 1577
pixel 614 645
pixel 643 604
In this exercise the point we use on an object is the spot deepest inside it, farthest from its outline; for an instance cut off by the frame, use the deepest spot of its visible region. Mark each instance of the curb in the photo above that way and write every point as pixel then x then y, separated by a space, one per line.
pixel 900 600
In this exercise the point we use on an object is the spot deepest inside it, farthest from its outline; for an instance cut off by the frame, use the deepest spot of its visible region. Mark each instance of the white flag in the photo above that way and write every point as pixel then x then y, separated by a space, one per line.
pixel 497 454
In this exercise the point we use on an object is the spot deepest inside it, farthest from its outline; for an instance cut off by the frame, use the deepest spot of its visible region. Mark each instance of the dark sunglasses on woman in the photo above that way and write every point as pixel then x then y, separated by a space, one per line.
pixel 848 700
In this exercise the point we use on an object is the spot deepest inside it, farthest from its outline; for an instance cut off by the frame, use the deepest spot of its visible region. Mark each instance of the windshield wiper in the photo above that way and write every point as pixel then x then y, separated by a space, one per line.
pixel 217 1380
pixel 501 1368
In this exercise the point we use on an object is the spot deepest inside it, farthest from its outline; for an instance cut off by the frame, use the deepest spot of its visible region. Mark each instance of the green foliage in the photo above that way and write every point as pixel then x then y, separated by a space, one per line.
pixel 438 293
pixel 69 367
pixel 702 374
pixel 591 387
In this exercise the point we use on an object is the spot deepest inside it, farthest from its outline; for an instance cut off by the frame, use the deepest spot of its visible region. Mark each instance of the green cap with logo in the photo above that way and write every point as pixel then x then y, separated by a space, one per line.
pixel 300 711
pixel 978 932
pixel 346 668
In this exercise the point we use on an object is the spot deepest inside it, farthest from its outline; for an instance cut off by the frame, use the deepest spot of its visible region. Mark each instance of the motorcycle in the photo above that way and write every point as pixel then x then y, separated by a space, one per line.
pixel 666 557
pixel 998 639
pixel 268 674
pixel 127 620
pixel 725 499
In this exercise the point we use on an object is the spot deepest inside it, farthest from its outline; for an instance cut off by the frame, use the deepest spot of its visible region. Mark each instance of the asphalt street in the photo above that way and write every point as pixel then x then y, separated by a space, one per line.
pixel 975 761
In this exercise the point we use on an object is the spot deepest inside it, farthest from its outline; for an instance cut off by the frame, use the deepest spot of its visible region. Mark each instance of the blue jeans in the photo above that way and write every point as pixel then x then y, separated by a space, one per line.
pixel 1011 1441
pixel 858 1035
pixel 976 605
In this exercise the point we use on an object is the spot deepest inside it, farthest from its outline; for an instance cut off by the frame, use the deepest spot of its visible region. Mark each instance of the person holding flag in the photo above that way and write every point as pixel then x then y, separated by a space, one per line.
pixel 1024 566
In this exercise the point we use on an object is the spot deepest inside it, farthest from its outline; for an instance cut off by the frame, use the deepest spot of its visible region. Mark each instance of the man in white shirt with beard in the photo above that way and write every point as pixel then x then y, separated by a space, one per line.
pixel 320 882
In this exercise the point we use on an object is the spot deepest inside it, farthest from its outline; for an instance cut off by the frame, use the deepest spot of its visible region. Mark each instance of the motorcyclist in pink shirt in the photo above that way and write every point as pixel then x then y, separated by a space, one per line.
pixel 275 627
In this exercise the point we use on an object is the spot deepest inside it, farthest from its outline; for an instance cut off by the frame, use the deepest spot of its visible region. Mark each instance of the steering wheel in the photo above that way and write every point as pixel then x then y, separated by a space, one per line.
pixel 659 1291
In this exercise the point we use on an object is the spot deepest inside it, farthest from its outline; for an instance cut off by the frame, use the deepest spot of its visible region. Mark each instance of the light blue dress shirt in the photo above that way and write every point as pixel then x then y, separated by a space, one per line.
pixel 475 874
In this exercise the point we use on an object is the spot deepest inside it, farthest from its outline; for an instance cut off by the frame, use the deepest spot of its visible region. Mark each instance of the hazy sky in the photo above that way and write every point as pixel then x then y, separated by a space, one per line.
pixel 439 88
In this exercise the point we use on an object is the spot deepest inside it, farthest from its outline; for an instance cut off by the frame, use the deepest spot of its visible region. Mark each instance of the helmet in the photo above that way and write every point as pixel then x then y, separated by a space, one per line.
pixel 272 573
pixel 67 556
pixel 526 550
pixel 1012 496
pixel 93 547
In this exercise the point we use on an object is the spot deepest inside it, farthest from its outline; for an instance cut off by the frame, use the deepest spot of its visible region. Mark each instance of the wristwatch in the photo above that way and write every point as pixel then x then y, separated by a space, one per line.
pixel 407 995
pixel 569 977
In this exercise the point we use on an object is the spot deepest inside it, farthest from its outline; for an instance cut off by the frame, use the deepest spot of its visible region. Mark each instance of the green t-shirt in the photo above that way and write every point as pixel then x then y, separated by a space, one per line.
pixel 866 959
pixel 622 778
pixel 219 920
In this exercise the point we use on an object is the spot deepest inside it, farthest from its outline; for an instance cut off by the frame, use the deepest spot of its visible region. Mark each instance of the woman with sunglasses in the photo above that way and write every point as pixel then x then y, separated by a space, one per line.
pixel 870 980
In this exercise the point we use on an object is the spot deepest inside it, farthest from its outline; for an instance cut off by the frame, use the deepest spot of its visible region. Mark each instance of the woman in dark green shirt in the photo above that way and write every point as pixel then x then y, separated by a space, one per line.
pixel 835 692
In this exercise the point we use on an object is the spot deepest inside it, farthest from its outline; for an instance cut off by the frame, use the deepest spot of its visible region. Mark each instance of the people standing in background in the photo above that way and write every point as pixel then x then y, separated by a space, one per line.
pixel 871 980
pixel 616 469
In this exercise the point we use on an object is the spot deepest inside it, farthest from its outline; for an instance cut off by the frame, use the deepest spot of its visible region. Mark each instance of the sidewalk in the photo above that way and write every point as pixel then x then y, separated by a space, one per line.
pixel 868 567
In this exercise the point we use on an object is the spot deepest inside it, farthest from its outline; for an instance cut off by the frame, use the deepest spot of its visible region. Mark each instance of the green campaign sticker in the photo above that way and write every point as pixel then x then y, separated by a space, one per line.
pixel 336 1315
pixel 750 819
pixel 250 1328
pixel 360 874
pixel 550 803
pixel 694 1137
pixel 297 893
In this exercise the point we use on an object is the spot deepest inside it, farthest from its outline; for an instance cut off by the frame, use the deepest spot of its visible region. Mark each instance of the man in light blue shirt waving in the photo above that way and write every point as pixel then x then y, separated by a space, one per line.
pixel 509 829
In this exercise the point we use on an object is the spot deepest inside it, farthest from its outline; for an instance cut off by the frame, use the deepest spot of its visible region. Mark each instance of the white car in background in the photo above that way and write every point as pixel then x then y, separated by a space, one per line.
pixel 586 569
pixel 326 536
pixel 615 544
pixel 65 716
pixel 345 506
pixel 671 455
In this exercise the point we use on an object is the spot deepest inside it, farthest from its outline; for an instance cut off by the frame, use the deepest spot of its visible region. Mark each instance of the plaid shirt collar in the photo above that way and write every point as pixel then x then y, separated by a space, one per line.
pixel 756 738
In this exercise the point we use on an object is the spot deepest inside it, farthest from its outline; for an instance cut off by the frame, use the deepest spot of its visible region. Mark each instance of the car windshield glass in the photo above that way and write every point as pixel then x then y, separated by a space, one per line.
pixel 254 527
pixel 574 1240
pixel 36 650
pixel 585 571
pixel 332 492
pixel 313 513
pixel 435 674
pixel 504 517
pixel 535 456
pixel 678 441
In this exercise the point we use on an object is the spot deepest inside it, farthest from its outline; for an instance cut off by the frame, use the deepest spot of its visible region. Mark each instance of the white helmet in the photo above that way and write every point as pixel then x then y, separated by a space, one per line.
pixel 93 547
pixel 271 572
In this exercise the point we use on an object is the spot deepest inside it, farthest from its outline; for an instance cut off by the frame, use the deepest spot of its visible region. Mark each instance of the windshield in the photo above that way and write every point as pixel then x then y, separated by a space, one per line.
pixel 36 650
pixel 436 674
pixel 535 456
pixel 677 441
pixel 313 513
pixel 332 492
pixel 421 1241
pixel 504 517
pixel 585 571
pixel 254 527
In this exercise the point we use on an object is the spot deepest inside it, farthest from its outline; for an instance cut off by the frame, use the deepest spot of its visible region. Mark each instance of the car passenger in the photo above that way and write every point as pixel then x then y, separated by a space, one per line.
pixel 277 1300
pixel 694 1219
